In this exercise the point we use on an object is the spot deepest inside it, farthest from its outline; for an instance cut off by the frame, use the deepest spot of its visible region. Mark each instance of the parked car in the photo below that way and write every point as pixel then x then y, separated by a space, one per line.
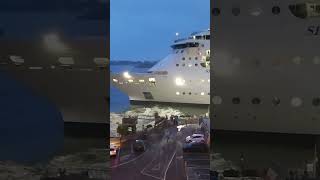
pixel 195 138
pixel 113 150
pixel 139 146
pixel 196 147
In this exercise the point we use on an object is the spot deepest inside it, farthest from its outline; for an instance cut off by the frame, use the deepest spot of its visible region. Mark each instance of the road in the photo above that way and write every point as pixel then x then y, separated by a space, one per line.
pixel 162 160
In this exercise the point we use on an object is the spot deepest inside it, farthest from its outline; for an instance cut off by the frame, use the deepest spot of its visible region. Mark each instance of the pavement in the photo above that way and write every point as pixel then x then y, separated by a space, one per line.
pixel 163 158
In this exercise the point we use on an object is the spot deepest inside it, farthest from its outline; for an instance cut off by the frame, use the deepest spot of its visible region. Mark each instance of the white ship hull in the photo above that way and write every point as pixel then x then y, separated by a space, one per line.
pixel 164 91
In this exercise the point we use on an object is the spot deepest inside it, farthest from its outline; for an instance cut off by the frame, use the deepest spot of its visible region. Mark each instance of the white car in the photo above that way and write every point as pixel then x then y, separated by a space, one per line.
pixel 195 138
pixel 113 150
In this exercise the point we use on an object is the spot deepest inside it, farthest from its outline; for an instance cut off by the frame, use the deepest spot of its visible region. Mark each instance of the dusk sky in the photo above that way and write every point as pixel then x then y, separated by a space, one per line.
pixel 145 29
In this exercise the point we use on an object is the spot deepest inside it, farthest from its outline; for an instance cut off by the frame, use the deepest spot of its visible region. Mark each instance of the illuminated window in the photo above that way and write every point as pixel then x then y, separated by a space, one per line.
pixel 114 80
pixel 130 80
pixel 141 80
pixel 202 93
pixel 152 79
pixel 178 93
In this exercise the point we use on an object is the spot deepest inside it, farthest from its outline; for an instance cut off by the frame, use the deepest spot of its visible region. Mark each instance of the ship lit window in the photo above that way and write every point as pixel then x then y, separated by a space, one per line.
pixel 114 80
pixel 141 80
pixel 178 93
pixel 208 80
pixel 202 93
pixel 180 82
pixel 152 79
pixel 296 101
pixel 202 80
pixel 190 65
pixel 130 80
pixel 215 11
pixel 275 10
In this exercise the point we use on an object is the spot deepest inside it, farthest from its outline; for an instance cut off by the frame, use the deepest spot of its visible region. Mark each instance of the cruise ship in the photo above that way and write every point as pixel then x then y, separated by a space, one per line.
pixel 59 50
pixel 266 66
pixel 183 76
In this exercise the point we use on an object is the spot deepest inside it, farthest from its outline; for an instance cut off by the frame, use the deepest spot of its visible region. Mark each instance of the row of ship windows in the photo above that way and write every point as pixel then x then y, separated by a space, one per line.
pixel 295 60
pixel 236 11
pixel 302 10
pixel 19 60
pixel 196 65
pixel 295 101
pixel 184 93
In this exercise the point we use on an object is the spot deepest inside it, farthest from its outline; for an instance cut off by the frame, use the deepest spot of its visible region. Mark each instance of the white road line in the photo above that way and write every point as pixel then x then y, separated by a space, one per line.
pixel 129 161
pixel 146 174
pixel 165 174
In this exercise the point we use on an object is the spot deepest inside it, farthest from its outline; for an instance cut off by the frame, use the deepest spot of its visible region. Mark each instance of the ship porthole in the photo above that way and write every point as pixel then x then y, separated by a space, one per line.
pixel 316 101
pixel 256 101
pixel 217 100
pixel 296 101
pixel 275 101
pixel 215 11
pixel 236 100
pixel 276 10
pixel 316 60
pixel 236 11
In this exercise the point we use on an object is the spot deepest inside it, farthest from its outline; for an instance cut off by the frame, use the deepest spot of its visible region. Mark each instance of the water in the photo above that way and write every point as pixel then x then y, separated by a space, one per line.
pixel 120 105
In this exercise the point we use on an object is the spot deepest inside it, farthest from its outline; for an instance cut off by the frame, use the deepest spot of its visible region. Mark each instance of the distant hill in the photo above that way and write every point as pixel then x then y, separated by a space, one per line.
pixel 138 64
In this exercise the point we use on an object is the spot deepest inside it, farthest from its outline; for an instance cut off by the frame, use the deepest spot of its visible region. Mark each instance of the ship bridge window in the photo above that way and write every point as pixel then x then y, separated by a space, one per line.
pixel 305 10
pixel 185 45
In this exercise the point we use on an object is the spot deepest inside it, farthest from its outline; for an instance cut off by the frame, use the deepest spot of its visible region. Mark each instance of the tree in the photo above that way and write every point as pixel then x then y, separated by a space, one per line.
pixel 122 130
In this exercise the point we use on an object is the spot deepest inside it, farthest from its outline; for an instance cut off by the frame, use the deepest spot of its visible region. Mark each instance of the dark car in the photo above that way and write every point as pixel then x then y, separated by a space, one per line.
pixel 196 147
pixel 139 146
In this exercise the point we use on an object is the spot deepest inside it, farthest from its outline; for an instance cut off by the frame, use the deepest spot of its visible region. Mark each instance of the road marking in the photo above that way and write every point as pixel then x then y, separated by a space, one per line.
pixel 165 174
pixel 115 166
pixel 150 175
pixel 156 168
